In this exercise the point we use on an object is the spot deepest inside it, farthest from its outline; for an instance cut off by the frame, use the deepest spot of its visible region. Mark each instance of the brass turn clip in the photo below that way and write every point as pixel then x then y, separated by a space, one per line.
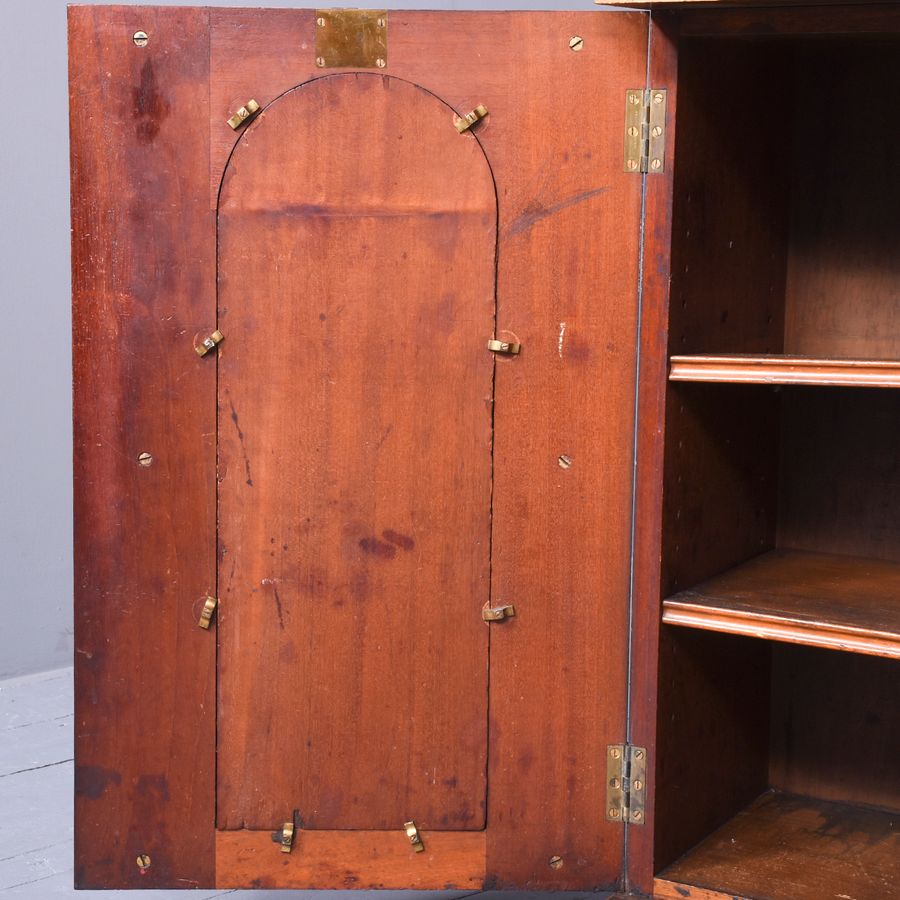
pixel 412 832
pixel 469 119
pixel 244 114
pixel 210 343
pixel 206 614
pixel 507 347
pixel 497 613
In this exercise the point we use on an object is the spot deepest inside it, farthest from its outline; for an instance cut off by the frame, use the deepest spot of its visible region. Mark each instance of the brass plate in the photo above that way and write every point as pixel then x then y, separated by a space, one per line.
pixel 351 38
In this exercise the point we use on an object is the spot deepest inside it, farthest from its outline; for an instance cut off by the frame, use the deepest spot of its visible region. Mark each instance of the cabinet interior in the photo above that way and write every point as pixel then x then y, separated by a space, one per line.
pixel 778 721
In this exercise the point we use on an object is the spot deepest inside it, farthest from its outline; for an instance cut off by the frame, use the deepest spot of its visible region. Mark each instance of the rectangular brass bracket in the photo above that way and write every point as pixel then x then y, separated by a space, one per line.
pixel 626 781
pixel 645 131
pixel 412 832
pixel 497 613
pixel 244 114
pixel 351 38
pixel 206 614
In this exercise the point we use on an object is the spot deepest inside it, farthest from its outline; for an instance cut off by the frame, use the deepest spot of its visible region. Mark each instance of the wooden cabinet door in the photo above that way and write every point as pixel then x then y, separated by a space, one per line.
pixel 352 473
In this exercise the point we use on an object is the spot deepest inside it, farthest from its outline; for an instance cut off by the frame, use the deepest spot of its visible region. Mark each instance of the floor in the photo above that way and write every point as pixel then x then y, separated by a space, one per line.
pixel 36 722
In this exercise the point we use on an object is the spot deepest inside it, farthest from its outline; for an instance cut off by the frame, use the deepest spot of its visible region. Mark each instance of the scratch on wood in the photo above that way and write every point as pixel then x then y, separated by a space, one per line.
pixel 562 333
pixel 535 211
pixel 240 433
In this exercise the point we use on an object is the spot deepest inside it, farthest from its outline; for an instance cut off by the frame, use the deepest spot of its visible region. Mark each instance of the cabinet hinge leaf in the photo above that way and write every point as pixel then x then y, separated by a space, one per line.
pixel 626 779
pixel 645 131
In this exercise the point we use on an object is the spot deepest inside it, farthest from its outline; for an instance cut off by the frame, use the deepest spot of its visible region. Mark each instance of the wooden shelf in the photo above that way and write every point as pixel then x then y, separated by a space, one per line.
pixel 749 369
pixel 784 847
pixel 818 599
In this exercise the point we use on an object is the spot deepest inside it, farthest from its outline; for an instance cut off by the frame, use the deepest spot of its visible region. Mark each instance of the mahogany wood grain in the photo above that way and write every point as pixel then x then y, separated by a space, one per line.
pixel 653 348
pixel 713 705
pixel 839 486
pixel 835 729
pixel 822 600
pixel 807 370
pixel 784 847
pixel 561 536
pixel 358 860
pixel 844 268
pixel 356 290
pixel 143 262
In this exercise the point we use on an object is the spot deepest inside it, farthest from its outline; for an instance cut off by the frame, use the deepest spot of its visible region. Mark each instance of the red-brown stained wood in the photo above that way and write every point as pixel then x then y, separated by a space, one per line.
pixel 143 257
pixel 653 346
pixel 361 860
pixel 561 536
pixel 784 847
pixel 828 710
pixel 357 238
pixel 844 266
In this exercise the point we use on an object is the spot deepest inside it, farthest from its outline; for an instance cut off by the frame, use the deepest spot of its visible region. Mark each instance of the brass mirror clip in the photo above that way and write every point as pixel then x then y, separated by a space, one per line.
pixel 469 119
pixel 244 115
pixel 497 613
pixel 412 832
pixel 506 347
pixel 206 614
pixel 210 343
pixel 285 837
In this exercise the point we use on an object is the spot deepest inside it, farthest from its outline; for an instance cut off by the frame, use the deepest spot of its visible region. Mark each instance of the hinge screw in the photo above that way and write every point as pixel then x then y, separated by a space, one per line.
pixel 638 785
pixel 638 754
pixel 613 813
pixel 614 753
pixel 320 22
pixel 320 62
pixel 140 39
pixel 380 63
pixel 658 98
pixel 637 815
pixel 576 43
pixel 143 862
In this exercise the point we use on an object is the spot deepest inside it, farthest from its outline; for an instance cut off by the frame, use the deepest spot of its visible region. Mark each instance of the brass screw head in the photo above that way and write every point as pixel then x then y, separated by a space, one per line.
pixel 565 462
pixel 614 753
pixel 380 63
pixel 145 459
pixel 143 862
pixel 657 131
pixel 381 23
pixel 320 22
pixel 637 784
pixel 613 813
pixel 320 61
pixel 556 862
pixel 614 782
pixel 140 39
pixel 637 815
pixel 576 43
pixel 632 165
pixel 638 754
pixel 658 98
pixel 656 165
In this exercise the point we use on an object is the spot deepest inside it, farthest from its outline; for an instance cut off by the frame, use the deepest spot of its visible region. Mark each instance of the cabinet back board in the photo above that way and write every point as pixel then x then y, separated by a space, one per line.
pixel 352 473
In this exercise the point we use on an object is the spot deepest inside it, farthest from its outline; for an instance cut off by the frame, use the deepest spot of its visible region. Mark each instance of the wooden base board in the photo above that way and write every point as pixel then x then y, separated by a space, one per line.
pixel 365 860
pixel 785 847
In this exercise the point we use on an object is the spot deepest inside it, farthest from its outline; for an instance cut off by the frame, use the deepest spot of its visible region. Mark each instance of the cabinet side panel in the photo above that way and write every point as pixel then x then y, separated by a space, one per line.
pixel 143 255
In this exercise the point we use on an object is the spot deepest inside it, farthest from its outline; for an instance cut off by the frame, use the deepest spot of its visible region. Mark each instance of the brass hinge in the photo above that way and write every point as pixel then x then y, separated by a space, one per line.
pixel 626 783
pixel 645 131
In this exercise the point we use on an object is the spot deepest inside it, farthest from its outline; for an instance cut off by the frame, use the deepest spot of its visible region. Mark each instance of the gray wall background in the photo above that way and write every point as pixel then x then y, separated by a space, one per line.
pixel 35 327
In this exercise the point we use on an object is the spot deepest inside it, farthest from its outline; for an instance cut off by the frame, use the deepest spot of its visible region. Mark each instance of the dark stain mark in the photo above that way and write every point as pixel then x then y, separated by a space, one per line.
pixel 92 781
pixel 384 437
pixel 401 540
pixel 155 784
pixel 682 891
pixel 451 782
pixel 150 107
pixel 378 548
pixel 535 211
pixel 322 317
pixel 234 418
pixel 284 546
pixel 278 606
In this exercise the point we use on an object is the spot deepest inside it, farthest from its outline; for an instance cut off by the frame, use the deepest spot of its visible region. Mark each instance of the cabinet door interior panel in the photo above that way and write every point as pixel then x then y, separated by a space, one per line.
pixel 351 472
pixel 356 287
